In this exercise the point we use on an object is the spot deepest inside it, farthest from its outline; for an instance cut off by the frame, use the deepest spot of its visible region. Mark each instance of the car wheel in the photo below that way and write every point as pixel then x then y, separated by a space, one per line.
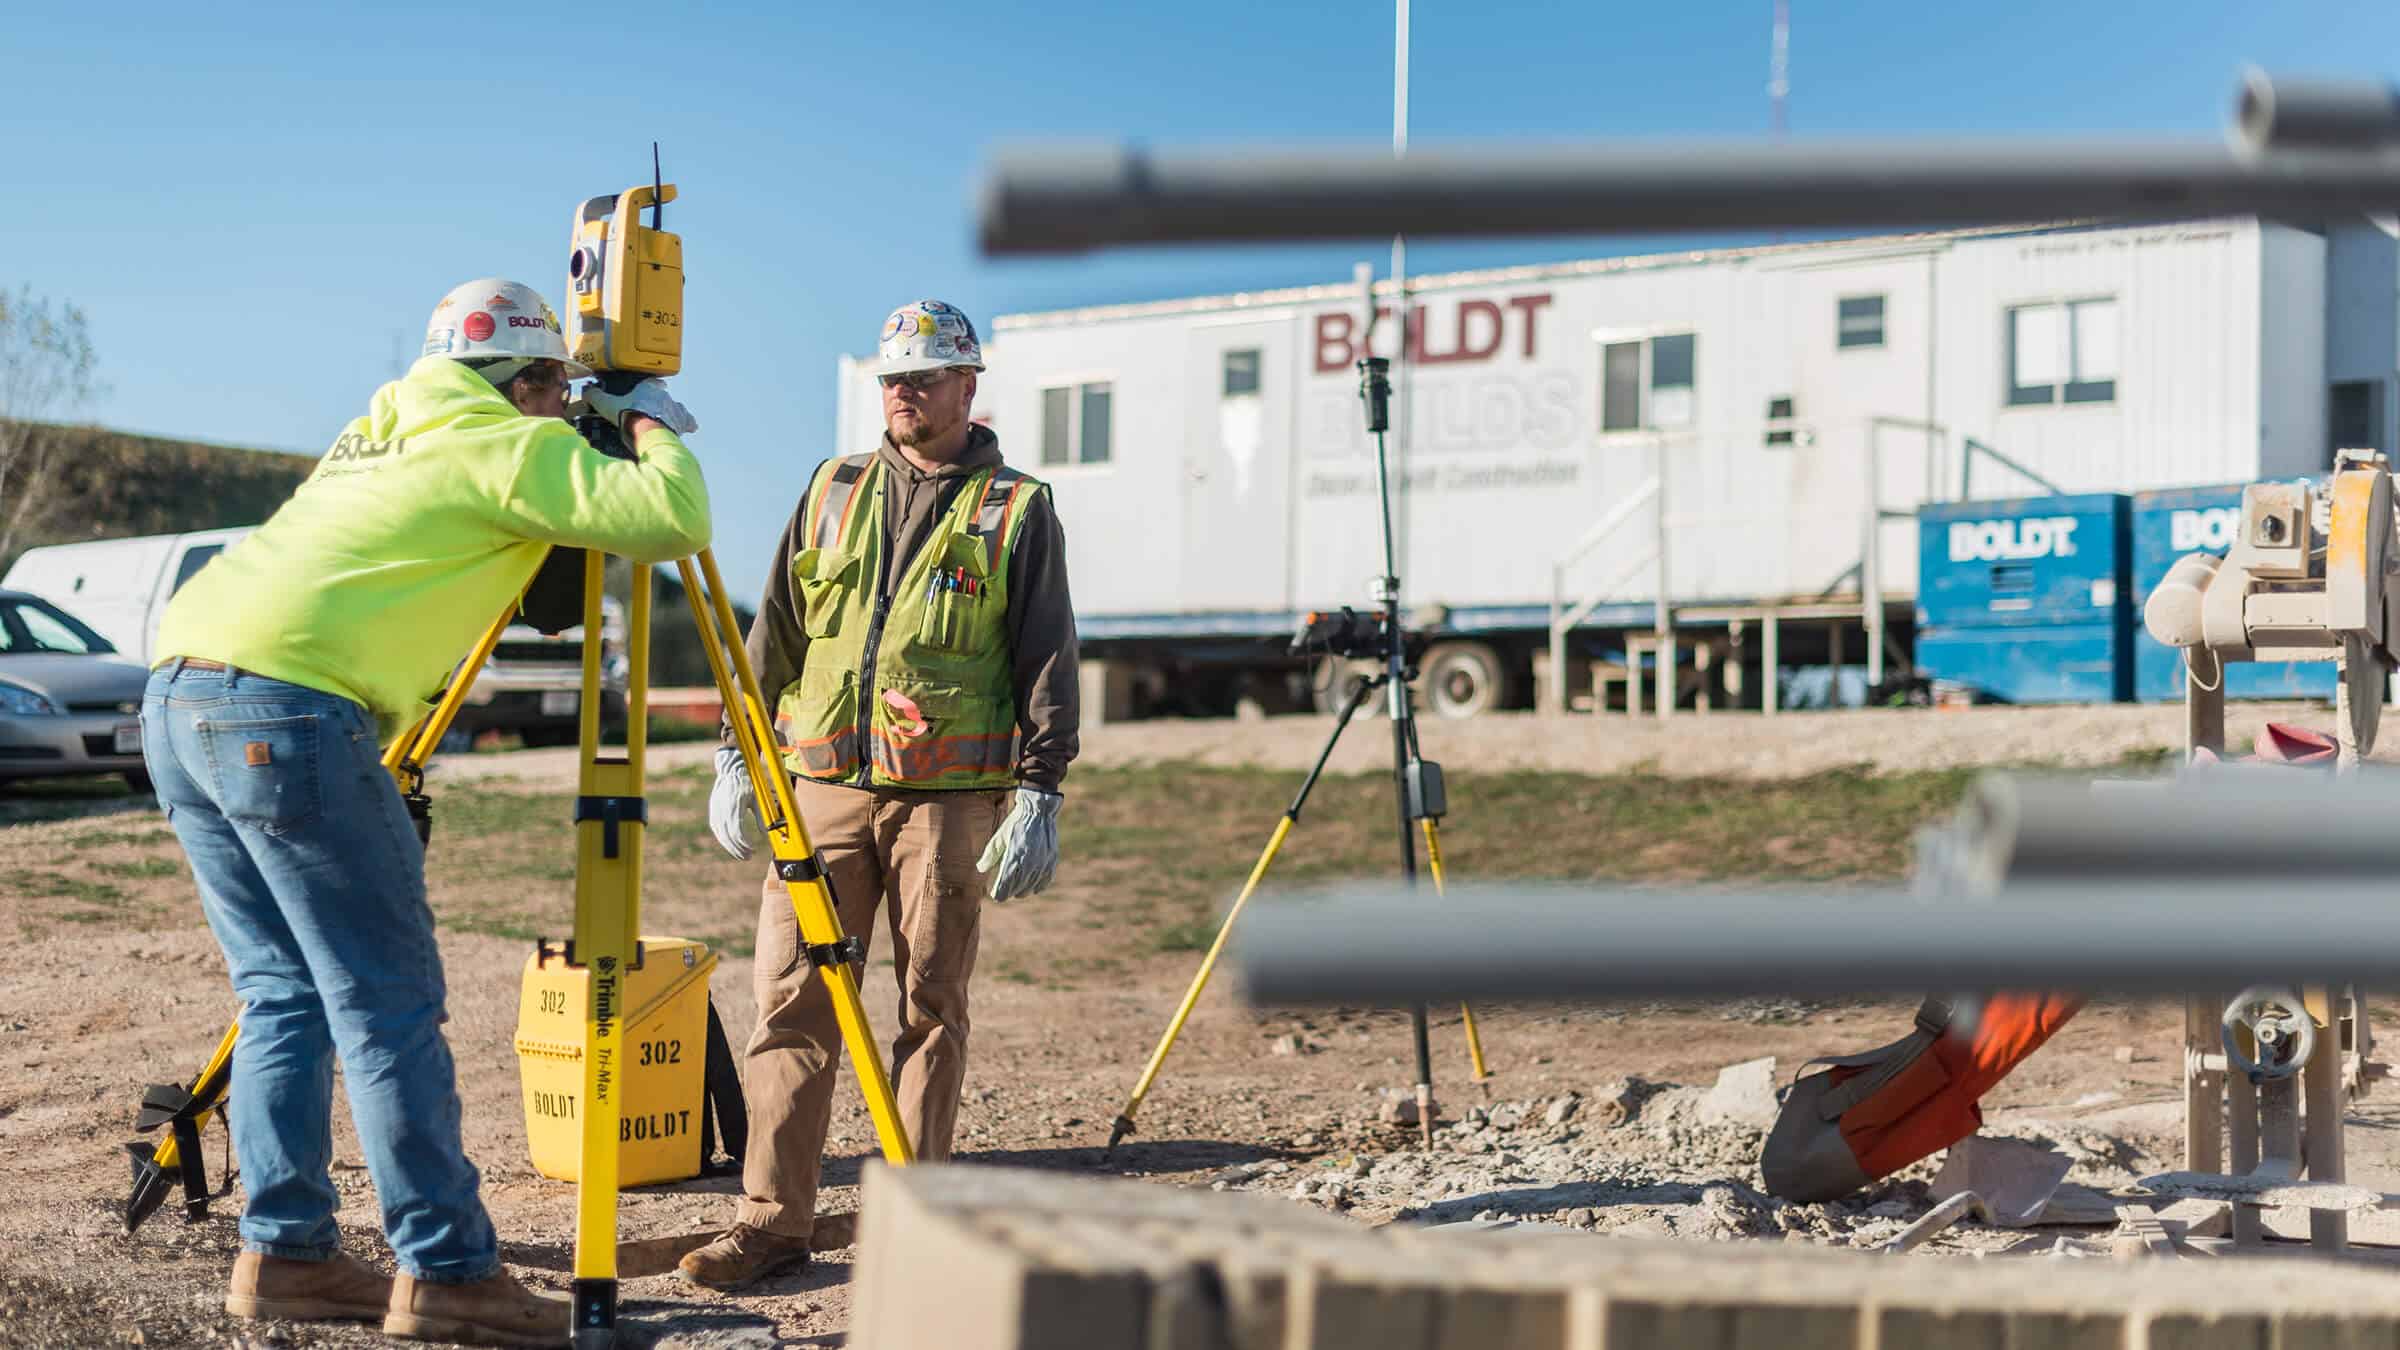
pixel 139 781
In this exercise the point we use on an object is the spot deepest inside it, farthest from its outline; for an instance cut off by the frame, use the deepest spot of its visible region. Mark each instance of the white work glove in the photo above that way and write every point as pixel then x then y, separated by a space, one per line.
pixel 650 398
pixel 1025 848
pixel 732 803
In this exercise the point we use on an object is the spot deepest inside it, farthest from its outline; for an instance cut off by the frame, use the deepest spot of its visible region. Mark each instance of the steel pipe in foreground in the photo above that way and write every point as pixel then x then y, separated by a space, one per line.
pixel 1065 200
pixel 2302 148
pixel 1390 946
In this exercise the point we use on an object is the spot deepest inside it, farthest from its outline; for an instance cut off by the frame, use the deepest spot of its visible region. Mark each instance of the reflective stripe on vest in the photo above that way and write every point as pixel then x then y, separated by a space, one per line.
pixel 833 512
pixel 992 512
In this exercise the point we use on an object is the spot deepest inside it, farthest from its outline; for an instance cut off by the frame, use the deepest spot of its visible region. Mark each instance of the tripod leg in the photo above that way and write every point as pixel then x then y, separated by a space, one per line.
pixel 1123 1125
pixel 837 957
pixel 1433 862
pixel 156 1169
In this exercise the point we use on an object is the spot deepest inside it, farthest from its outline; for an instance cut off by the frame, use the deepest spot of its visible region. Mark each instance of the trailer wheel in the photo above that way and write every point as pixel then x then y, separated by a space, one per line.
pixel 1461 679
pixel 1331 680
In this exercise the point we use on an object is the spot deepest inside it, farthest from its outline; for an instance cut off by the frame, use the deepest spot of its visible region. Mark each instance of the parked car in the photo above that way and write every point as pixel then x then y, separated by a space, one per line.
pixel 68 703
pixel 532 685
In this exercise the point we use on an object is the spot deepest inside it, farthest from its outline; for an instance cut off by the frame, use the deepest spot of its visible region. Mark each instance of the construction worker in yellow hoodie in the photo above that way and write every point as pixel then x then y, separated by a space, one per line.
pixel 284 666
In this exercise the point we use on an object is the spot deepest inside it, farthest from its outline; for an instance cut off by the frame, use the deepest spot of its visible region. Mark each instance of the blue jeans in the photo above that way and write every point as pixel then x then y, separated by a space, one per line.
pixel 314 884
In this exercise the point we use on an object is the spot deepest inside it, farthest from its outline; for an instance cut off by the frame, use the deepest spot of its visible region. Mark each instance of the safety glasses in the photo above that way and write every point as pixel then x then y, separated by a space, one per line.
pixel 919 380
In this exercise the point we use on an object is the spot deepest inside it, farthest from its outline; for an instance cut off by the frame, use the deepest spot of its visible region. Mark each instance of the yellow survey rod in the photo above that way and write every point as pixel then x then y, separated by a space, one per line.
pixel 609 815
pixel 796 862
pixel 1433 858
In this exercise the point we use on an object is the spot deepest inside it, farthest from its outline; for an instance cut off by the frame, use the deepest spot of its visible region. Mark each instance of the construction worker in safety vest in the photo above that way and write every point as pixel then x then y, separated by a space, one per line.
pixel 917 638
pixel 283 666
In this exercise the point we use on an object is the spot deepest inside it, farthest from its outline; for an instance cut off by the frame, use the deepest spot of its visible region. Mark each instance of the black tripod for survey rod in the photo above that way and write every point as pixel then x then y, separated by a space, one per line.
pixel 1349 635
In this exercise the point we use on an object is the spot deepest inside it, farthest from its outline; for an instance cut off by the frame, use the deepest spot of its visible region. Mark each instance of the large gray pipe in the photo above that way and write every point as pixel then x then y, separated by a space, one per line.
pixel 2324 114
pixel 1389 946
pixel 2217 880
pixel 2276 828
pixel 2320 164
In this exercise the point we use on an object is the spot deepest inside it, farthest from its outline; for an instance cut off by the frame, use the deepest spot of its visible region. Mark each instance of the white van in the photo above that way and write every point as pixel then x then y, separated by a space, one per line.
pixel 119 586
pixel 531 686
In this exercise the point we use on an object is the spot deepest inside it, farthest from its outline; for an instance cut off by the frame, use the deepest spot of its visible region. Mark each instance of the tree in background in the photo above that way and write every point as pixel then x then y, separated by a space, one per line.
pixel 47 369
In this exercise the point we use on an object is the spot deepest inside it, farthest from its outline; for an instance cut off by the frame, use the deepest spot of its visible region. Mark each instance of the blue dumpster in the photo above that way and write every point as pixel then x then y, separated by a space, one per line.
pixel 2167 524
pixel 2026 600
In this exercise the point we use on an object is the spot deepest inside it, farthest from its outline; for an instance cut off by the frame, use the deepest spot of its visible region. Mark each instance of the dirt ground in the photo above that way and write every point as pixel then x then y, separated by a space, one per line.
pixel 114 983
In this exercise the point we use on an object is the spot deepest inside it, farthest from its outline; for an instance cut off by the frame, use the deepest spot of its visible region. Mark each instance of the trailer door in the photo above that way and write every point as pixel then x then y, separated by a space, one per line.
pixel 1236 481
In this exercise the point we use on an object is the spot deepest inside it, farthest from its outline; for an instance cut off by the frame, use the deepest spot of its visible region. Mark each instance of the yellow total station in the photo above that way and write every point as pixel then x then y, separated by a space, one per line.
pixel 625 285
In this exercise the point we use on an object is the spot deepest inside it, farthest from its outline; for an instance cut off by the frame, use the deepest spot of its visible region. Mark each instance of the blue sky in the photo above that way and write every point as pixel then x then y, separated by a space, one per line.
pixel 258 204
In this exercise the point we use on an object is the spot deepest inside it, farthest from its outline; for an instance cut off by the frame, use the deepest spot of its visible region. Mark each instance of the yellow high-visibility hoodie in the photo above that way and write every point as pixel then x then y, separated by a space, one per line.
pixel 425 518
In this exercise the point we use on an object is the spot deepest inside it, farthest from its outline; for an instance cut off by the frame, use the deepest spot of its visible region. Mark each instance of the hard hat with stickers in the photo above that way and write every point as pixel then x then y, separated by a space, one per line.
pixel 927 335
pixel 493 317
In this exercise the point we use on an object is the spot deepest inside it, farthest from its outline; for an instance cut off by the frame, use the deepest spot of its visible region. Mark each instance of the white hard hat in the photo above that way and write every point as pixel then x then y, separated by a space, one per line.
pixel 493 317
pixel 927 335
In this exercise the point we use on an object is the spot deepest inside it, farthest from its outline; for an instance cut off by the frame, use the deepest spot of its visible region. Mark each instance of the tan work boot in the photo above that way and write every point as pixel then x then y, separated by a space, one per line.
pixel 742 1255
pixel 338 1288
pixel 493 1311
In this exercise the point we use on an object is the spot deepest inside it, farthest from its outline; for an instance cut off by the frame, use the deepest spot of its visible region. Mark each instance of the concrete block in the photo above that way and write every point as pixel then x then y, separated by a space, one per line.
pixel 2328 1331
pixel 995 1294
pixel 2196 1331
pixel 1744 1095
pixel 1332 1312
pixel 1029 1261
pixel 1950 1329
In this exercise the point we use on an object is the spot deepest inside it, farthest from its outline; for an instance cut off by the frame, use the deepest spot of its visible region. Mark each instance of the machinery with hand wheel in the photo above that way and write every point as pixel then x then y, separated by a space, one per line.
pixel 2309 576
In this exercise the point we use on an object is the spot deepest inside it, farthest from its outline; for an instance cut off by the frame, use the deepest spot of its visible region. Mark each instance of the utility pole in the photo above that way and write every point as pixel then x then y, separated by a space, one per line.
pixel 1400 365
pixel 1779 69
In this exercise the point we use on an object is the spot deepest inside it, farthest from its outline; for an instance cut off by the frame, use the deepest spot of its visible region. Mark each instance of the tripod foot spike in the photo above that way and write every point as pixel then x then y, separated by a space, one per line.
pixel 1425 1114
pixel 1118 1129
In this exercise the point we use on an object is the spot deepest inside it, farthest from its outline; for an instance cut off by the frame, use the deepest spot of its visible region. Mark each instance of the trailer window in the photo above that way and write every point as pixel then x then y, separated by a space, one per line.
pixel 1058 426
pixel 1076 423
pixel 1647 385
pixel 1621 386
pixel 1241 372
pixel 1094 428
pixel 1780 429
pixel 1859 322
pixel 2062 353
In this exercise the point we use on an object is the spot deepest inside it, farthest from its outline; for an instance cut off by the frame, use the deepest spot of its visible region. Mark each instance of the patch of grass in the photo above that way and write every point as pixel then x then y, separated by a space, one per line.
pixel 59 886
pixel 1185 935
pixel 666 730
pixel 140 868
pixel 1159 885
pixel 502 926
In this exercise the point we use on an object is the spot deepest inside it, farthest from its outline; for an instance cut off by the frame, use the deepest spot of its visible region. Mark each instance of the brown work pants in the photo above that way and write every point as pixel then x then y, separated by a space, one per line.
pixel 912 854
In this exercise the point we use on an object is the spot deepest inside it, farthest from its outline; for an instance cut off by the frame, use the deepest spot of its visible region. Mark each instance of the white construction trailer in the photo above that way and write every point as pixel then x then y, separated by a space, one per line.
pixel 1656 463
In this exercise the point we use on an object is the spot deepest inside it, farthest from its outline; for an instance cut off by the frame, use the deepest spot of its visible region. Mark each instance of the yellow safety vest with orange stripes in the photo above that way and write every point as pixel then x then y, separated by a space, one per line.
pixel 912 689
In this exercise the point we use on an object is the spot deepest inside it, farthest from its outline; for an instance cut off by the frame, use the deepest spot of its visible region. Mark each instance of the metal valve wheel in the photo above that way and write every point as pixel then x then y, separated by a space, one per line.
pixel 2278 1023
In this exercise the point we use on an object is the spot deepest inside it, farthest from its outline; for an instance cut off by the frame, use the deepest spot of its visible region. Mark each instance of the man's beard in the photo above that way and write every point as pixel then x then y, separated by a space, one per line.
pixel 923 432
